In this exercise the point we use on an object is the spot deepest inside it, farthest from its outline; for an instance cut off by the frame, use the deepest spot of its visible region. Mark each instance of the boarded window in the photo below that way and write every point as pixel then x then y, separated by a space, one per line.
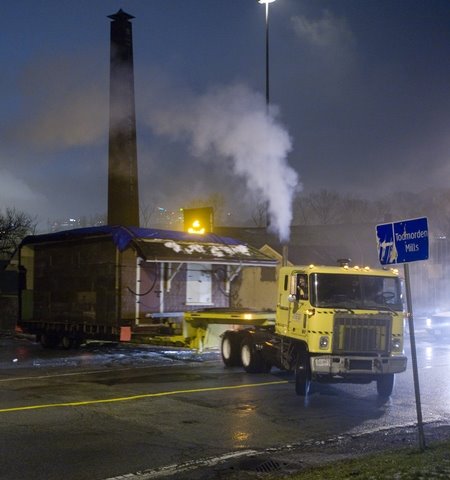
pixel 199 284
pixel 268 274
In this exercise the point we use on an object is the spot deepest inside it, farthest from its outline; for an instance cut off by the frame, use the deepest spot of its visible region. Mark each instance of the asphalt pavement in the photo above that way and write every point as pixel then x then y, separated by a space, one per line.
pixel 272 462
pixel 292 459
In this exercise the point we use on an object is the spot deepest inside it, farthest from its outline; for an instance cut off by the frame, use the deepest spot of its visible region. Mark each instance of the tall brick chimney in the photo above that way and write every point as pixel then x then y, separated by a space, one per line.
pixel 123 194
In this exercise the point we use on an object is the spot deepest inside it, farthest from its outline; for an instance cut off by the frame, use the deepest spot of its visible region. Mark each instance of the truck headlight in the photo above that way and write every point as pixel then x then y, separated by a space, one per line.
pixel 324 342
pixel 396 344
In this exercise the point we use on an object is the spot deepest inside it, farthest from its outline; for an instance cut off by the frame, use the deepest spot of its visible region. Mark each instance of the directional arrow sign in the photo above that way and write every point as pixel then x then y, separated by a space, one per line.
pixel 403 242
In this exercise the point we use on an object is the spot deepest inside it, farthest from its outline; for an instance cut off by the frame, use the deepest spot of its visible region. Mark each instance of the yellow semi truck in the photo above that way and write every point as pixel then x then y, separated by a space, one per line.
pixel 332 324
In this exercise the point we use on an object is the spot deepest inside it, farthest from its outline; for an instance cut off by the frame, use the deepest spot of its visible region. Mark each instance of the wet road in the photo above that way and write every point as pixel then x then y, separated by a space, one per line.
pixel 106 411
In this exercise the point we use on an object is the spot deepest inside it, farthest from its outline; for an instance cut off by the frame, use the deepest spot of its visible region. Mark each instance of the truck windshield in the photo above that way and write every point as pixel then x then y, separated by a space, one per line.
pixel 356 291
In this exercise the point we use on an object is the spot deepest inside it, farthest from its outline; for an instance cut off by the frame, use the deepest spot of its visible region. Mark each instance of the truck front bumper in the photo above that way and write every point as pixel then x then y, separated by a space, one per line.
pixel 348 366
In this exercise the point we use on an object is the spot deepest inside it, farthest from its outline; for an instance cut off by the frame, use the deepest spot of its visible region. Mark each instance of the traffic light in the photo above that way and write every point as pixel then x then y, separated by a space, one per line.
pixel 198 220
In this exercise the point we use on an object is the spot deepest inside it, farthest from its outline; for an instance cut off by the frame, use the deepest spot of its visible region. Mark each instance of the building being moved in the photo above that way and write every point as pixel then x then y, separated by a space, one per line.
pixel 113 282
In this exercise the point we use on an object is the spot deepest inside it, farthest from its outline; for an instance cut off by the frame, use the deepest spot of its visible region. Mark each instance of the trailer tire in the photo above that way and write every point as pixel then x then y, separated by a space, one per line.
pixel 230 350
pixel 251 358
pixel 302 375
pixel 48 340
pixel 66 342
pixel 385 385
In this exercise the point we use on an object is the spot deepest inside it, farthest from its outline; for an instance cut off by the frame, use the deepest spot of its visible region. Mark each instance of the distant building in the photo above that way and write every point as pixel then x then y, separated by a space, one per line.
pixel 79 222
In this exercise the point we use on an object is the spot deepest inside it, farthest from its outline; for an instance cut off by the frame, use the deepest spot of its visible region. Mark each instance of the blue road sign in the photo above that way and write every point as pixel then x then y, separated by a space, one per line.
pixel 403 242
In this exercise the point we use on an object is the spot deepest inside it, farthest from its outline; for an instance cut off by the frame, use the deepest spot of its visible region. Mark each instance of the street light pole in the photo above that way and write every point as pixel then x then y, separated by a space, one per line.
pixel 266 2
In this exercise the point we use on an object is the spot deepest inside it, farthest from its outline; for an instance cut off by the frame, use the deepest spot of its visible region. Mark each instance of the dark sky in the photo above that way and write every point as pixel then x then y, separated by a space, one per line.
pixel 359 92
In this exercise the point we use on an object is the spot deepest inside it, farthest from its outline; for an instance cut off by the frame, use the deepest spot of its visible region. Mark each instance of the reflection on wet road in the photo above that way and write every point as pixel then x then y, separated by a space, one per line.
pixel 138 407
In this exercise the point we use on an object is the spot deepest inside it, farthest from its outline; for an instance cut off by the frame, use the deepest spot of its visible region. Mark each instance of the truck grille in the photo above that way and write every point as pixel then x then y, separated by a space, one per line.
pixel 361 334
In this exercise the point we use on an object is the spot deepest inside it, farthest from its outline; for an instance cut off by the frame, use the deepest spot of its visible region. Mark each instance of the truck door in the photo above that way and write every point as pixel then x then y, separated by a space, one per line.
pixel 299 303
pixel 299 317
pixel 283 306
pixel 292 301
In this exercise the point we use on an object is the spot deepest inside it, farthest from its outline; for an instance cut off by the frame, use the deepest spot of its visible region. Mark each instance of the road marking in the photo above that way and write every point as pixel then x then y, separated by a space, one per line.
pixel 139 397
pixel 72 374
pixel 170 470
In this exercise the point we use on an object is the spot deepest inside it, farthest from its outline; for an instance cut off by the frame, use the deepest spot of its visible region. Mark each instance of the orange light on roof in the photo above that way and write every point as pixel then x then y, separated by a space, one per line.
pixel 198 220
pixel 196 228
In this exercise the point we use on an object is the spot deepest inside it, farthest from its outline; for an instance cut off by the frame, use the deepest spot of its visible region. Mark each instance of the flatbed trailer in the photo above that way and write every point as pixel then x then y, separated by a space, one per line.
pixel 197 323
pixel 225 316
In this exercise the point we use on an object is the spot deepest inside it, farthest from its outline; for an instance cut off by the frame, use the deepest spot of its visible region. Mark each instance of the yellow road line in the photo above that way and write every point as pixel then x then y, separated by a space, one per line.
pixel 138 397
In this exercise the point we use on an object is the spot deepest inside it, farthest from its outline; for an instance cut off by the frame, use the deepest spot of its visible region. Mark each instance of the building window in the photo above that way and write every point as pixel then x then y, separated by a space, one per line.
pixel 268 274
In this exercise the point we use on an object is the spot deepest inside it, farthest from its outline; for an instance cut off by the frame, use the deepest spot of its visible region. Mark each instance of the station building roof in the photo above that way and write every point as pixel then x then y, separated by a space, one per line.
pixel 155 245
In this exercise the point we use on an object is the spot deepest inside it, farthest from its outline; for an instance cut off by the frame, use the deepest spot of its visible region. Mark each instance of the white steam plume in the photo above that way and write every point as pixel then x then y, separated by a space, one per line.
pixel 233 123
pixel 14 190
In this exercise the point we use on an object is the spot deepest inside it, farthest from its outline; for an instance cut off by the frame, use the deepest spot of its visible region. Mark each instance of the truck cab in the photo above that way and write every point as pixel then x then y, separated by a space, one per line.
pixel 334 324
pixel 350 320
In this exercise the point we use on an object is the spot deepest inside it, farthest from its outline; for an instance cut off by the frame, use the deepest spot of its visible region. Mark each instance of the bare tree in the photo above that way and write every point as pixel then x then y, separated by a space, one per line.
pixel 325 207
pixel 329 207
pixel 14 226
pixel 260 214
pixel 436 206
pixel 300 210
pixel 359 210
pixel 382 211
pixel 148 214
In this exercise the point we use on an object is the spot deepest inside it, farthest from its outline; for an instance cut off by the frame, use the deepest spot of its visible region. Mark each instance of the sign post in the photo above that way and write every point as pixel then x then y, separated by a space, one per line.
pixel 404 242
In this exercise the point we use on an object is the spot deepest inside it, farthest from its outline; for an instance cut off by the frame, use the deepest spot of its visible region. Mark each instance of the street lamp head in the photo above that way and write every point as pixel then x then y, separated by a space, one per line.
pixel 266 1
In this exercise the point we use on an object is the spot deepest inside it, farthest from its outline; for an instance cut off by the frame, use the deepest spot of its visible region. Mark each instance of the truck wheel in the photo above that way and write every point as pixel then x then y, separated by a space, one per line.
pixel 230 350
pixel 250 357
pixel 385 385
pixel 302 375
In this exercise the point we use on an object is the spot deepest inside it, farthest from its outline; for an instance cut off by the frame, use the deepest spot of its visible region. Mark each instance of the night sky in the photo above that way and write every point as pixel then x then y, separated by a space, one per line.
pixel 359 91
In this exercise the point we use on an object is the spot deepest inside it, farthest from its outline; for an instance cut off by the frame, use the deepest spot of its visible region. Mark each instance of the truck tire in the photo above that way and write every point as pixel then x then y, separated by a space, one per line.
pixel 302 375
pixel 251 358
pixel 385 385
pixel 230 350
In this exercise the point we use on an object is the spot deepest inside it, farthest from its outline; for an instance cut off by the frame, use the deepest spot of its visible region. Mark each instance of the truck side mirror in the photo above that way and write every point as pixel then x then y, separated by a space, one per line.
pixel 292 298
pixel 293 294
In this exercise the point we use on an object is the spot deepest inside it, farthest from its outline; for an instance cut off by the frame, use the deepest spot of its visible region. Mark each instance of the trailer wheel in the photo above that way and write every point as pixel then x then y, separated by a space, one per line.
pixel 230 350
pixel 385 385
pixel 48 340
pixel 252 360
pixel 302 375
pixel 66 342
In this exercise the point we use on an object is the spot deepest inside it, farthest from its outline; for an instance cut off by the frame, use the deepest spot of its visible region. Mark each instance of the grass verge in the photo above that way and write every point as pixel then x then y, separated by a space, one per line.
pixel 404 464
